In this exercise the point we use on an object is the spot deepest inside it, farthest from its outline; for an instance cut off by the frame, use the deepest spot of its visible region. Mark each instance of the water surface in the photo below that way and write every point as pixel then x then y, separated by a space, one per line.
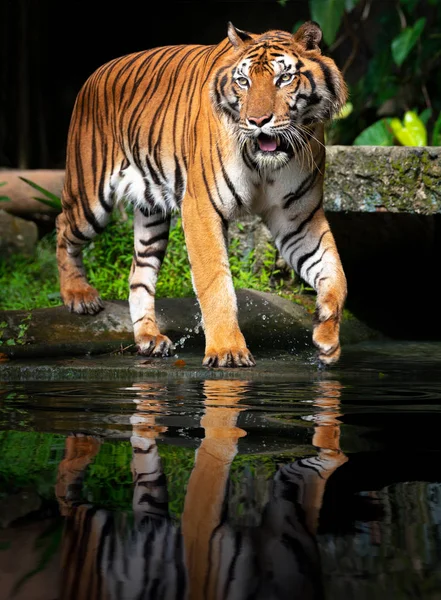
pixel 327 484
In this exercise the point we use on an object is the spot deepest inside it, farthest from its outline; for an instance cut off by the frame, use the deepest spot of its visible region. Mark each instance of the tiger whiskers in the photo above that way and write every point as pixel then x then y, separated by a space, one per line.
pixel 303 144
pixel 310 132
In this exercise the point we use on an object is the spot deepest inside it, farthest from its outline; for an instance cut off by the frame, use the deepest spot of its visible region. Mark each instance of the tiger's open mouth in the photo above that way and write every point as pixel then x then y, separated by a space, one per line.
pixel 267 143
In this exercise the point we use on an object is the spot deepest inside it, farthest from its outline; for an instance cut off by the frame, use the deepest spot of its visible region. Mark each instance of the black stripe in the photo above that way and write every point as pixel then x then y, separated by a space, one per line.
pixel 302 259
pixel 135 286
pixel 231 568
pixel 157 238
pixel 228 181
pixel 160 481
pixel 149 198
pixel 88 214
pixel 220 215
pixel 306 185
pixel 155 223
pixel 77 233
pixel 107 207
pixel 296 231
pixel 293 245
pixel 179 182
pixel 138 450
pixel 159 254
pixel 147 498
pixel 141 264
pixel 327 73
pixel 311 266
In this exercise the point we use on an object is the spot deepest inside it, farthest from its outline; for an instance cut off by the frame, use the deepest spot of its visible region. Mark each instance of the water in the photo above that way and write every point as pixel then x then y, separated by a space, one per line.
pixel 325 484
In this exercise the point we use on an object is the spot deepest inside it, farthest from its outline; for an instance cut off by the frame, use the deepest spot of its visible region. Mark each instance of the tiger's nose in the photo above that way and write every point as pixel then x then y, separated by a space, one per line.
pixel 260 121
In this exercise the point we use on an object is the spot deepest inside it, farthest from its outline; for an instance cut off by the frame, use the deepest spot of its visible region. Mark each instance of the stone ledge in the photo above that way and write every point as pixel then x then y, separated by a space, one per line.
pixel 393 179
pixel 357 178
pixel 268 322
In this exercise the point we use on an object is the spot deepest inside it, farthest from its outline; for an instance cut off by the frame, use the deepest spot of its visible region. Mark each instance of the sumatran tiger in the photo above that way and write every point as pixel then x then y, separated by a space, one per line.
pixel 213 131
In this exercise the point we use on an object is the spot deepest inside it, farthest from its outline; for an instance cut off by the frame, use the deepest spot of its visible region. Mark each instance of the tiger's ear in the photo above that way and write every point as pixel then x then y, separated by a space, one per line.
pixel 238 37
pixel 309 35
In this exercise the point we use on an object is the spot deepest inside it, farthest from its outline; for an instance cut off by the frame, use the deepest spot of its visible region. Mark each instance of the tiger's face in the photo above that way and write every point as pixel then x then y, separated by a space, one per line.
pixel 275 90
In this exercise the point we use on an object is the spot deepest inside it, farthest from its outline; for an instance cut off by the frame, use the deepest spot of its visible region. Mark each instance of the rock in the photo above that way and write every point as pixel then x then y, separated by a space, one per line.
pixel 268 322
pixel 16 235
pixel 383 179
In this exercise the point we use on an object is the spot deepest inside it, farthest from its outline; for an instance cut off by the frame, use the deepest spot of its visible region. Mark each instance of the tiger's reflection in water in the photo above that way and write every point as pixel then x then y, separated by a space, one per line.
pixel 206 556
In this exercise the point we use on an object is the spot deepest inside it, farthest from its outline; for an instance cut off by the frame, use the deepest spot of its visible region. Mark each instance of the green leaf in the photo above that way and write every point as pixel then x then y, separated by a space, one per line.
pixel 51 203
pixel 412 132
pixel 328 14
pixel 345 111
pixel 425 115
pixel 401 133
pixel 4 198
pixel 406 40
pixel 53 198
pixel 378 134
pixel 416 128
pixel 436 135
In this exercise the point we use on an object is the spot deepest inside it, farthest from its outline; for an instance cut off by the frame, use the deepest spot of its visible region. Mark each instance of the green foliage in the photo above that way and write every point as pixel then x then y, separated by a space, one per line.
pixel 390 58
pixel 436 136
pixel 377 134
pixel 244 269
pixel 29 459
pixel 4 198
pixel 50 199
pixel 174 278
pixel 20 339
pixel 328 14
pixel 412 132
pixel 403 43
pixel 30 282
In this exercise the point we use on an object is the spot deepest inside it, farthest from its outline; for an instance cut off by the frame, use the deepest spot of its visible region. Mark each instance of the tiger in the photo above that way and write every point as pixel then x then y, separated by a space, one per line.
pixel 214 132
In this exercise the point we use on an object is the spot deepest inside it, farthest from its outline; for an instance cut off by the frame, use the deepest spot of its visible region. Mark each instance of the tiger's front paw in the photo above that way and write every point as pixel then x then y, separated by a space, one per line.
pixel 326 339
pixel 154 345
pixel 229 357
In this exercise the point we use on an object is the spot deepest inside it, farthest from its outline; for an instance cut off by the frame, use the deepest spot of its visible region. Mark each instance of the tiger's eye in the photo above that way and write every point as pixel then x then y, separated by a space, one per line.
pixel 285 77
pixel 242 81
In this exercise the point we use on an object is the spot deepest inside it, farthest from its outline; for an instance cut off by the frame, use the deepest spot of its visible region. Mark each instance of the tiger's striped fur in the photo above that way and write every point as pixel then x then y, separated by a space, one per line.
pixel 212 131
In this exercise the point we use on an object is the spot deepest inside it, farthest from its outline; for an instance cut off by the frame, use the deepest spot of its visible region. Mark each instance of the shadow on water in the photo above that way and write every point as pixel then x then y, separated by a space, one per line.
pixel 221 489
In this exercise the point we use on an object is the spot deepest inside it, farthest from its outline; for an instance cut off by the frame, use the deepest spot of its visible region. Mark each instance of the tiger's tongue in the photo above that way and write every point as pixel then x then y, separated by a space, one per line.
pixel 266 143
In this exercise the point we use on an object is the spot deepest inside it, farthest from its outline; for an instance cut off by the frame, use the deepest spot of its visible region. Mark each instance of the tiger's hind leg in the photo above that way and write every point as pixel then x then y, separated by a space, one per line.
pixel 151 238
pixel 74 230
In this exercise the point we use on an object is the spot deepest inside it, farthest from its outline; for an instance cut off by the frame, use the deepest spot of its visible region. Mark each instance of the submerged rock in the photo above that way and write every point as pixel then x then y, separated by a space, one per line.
pixel 268 322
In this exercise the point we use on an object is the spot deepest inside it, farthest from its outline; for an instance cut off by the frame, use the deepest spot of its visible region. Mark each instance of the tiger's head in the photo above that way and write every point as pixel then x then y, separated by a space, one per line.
pixel 274 88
